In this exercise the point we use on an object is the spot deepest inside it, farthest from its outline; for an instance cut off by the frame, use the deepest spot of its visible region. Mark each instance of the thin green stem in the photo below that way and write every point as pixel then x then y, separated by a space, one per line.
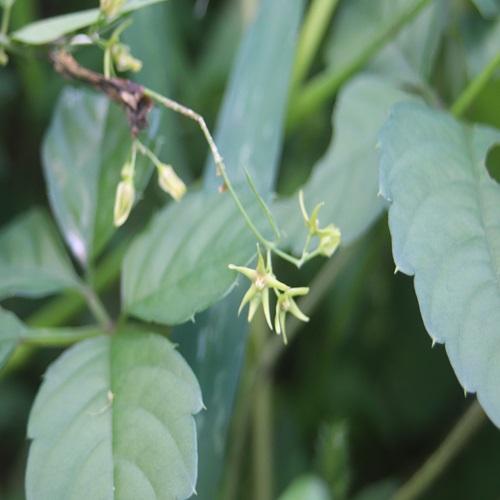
pixel 63 308
pixel 454 443
pixel 262 440
pixel 475 87
pixel 189 113
pixel 107 64
pixel 5 19
pixel 60 337
pixel 98 310
pixel 316 23
pixel 264 207
pixel 262 420
pixel 325 85
pixel 289 258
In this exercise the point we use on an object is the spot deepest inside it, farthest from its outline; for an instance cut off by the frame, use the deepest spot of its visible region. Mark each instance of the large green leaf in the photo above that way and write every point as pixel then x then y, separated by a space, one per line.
pixel 444 221
pixel 178 266
pixel 11 331
pixel 83 152
pixel 346 177
pixel 33 261
pixel 48 30
pixel 113 419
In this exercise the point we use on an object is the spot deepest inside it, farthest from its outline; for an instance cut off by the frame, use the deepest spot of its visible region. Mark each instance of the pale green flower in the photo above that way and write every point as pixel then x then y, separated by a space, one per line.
pixel 286 304
pixel 262 280
pixel 111 7
pixel 329 240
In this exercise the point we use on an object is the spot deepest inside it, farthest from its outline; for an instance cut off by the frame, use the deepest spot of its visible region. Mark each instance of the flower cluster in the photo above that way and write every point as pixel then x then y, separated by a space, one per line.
pixel 263 280
pixel 329 237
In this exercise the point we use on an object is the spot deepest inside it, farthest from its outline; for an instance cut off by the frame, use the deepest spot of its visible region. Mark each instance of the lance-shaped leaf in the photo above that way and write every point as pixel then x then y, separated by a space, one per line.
pixel 83 153
pixel 33 260
pixel 113 419
pixel 444 219
pixel 48 30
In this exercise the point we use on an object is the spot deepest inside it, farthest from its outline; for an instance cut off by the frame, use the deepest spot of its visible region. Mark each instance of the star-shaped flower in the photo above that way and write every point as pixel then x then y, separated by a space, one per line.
pixel 286 304
pixel 262 279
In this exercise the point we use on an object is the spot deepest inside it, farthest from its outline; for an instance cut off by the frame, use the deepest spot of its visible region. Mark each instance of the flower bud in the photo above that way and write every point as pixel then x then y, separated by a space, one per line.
pixel 170 183
pixel 329 240
pixel 124 200
pixel 4 58
pixel 124 61
pixel 111 7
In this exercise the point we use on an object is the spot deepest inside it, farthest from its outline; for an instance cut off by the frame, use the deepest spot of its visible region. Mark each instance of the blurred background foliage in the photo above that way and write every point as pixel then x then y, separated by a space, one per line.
pixel 359 399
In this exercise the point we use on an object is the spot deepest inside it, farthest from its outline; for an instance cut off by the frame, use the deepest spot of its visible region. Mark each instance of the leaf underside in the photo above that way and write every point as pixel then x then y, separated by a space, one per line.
pixel 444 222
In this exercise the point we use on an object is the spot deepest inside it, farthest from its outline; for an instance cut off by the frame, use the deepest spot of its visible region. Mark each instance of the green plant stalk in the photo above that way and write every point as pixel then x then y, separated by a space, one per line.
pixel 470 93
pixel 325 85
pixel 98 310
pixel 60 337
pixel 313 30
pixel 262 423
pixel 5 19
pixel 456 440
pixel 32 70
pixel 189 113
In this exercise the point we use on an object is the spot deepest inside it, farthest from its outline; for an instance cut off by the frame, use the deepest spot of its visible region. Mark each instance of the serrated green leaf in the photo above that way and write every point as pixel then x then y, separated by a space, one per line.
pixel 48 30
pixel 83 152
pixel 443 218
pixel 11 331
pixel 33 261
pixel 113 419
pixel 346 177
pixel 178 266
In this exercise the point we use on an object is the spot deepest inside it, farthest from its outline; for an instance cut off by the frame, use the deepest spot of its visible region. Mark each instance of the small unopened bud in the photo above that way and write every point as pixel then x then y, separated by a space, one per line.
pixel 329 240
pixel 125 194
pixel 124 60
pixel 111 7
pixel 170 182
pixel 4 58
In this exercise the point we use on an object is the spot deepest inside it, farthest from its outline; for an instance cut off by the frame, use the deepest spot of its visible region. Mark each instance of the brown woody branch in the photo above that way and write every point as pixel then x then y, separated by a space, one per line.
pixel 127 94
